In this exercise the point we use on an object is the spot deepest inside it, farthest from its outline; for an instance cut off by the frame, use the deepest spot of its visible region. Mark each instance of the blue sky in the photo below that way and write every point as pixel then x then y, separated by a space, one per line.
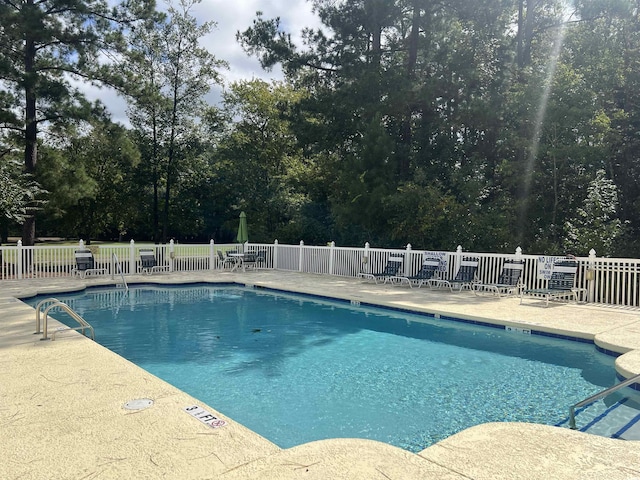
pixel 230 16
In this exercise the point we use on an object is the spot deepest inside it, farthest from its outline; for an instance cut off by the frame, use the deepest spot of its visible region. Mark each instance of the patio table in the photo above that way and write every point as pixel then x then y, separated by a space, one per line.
pixel 238 261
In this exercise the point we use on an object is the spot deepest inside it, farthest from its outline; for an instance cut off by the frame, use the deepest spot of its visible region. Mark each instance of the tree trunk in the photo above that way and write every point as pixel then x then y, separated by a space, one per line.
pixel 170 174
pixel 413 41
pixel 4 230
pixel 526 24
pixel 519 54
pixel 406 133
pixel 155 170
pixel 31 129
pixel 167 198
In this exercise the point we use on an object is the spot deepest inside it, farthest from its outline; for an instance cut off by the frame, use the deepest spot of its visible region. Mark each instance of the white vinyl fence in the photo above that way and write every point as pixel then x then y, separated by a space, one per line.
pixel 612 281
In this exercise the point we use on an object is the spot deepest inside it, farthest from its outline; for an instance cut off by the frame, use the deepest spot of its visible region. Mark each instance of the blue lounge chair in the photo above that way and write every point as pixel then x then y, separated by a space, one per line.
pixel 465 277
pixel 561 283
pixel 391 270
pixel 428 269
pixel 508 282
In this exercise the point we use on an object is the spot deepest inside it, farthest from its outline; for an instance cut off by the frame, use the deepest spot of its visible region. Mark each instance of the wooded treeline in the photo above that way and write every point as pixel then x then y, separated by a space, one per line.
pixel 487 123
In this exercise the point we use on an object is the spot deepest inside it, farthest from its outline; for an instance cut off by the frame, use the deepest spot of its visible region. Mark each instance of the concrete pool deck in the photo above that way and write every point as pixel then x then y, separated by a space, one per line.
pixel 62 415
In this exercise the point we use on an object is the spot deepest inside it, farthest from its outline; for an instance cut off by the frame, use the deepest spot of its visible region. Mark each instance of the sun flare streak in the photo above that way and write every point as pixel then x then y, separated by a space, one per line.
pixel 539 120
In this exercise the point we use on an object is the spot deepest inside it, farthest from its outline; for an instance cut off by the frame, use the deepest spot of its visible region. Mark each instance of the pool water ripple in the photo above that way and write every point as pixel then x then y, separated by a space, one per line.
pixel 299 369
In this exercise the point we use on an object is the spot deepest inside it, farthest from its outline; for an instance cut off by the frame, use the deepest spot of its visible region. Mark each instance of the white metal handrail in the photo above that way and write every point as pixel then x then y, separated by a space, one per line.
pixel 72 313
pixel 38 310
pixel 598 396
pixel 116 263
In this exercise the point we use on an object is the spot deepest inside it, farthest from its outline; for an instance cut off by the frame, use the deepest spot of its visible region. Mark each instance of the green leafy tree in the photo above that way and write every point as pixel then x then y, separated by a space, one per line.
pixel 173 73
pixel 261 163
pixel 44 46
pixel 92 180
pixel 20 195
pixel 596 225
pixel 607 50
pixel 563 123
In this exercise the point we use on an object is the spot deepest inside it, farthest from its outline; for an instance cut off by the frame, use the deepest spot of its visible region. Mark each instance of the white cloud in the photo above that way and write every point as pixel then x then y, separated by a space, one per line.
pixel 294 15
pixel 115 103
pixel 230 17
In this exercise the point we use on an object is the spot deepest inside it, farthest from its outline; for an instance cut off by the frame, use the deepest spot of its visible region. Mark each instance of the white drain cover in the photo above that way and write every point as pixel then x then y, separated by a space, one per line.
pixel 138 404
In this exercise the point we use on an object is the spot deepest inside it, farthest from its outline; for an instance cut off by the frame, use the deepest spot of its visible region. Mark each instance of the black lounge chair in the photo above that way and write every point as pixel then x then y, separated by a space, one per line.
pixel 561 283
pixel 508 282
pixel 428 269
pixel 225 261
pixel 261 259
pixel 148 262
pixel 255 260
pixel 249 260
pixel 465 277
pixel 86 265
pixel 391 270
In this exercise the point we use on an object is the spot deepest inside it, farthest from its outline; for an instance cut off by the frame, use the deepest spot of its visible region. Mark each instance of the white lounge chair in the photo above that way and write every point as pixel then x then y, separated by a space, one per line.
pixel 465 277
pixel 86 265
pixel 391 270
pixel 508 282
pixel 428 269
pixel 561 283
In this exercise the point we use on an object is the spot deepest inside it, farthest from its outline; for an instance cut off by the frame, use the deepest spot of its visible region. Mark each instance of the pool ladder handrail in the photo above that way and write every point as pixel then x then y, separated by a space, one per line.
pixel 598 396
pixel 116 263
pixel 55 303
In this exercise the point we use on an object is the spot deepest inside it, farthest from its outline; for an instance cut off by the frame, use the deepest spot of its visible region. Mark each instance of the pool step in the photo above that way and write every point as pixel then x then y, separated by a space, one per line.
pixel 618 420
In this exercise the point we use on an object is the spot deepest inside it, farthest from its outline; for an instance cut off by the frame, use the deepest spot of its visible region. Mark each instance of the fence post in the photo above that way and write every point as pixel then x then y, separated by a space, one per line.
pixel 19 257
pixel 458 261
pixel 81 244
pixel 407 263
pixel 518 254
pixel 301 255
pixel 591 276
pixel 212 257
pixel 172 256
pixel 332 252
pixel 132 257
pixel 366 265
pixel 275 254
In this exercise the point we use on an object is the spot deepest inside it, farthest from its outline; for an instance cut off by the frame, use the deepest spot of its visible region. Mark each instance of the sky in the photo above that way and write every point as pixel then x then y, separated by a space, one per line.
pixel 230 16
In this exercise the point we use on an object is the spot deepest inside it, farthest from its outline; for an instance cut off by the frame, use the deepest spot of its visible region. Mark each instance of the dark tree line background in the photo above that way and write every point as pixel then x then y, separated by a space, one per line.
pixel 487 123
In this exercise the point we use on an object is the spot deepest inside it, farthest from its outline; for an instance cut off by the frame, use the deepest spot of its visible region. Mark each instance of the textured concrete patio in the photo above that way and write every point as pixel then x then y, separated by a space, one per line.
pixel 62 415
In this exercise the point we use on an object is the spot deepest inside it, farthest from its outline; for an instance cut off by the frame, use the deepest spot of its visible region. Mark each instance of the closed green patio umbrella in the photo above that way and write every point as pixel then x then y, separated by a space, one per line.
pixel 243 234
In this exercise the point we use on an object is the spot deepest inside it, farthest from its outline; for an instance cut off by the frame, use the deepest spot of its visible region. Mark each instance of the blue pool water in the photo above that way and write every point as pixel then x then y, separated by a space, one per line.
pixel 297 369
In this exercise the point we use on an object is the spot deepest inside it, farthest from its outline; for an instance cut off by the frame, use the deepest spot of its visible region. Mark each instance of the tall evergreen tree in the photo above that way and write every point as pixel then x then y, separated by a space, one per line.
pixel 44 45
pixel 402 93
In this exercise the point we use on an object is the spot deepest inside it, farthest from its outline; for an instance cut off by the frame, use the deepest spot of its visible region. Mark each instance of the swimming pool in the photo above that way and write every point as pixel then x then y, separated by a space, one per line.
pixel 297 369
